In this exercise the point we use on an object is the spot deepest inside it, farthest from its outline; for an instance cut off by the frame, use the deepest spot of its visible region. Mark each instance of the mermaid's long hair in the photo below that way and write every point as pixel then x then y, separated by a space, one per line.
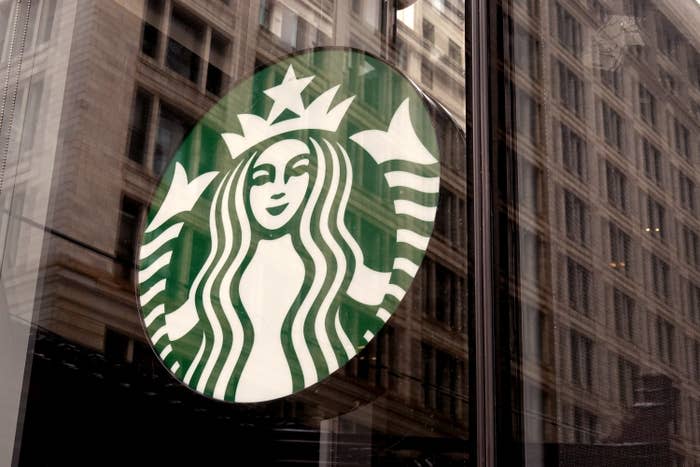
pixel 312 336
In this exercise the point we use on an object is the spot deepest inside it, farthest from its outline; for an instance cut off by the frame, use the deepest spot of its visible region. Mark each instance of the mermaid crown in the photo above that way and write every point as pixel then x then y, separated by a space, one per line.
pixel 287 96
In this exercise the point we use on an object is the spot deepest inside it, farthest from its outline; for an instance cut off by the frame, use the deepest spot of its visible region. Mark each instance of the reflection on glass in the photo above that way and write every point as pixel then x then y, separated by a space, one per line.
pixel 106 95
pixel 603 353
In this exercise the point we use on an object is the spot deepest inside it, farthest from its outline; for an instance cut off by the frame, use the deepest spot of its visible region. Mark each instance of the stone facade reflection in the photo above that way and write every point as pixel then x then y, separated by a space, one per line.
pixel 605 112
pixel 135 76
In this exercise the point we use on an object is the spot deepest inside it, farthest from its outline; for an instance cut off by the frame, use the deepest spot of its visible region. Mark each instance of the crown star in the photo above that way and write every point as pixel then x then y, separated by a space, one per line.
pixel 287 95
pixel 320 114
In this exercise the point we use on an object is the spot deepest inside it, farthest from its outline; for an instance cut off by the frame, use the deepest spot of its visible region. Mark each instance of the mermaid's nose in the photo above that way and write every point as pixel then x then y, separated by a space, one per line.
pixel 278 196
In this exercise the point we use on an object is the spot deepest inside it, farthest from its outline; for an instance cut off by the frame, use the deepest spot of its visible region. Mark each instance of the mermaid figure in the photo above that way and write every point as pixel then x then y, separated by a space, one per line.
pixel 282 260
pixel 284 296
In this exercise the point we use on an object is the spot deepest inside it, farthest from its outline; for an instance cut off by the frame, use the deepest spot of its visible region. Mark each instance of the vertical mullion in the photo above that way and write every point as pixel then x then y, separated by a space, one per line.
pixel 483 405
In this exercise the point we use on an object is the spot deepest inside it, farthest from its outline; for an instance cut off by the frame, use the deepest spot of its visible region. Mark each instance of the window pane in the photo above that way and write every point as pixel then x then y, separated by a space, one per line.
pixel 230 220
pixel 609 131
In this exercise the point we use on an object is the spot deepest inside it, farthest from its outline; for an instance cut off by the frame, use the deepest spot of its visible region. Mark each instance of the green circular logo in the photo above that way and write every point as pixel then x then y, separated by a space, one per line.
pixel 289 225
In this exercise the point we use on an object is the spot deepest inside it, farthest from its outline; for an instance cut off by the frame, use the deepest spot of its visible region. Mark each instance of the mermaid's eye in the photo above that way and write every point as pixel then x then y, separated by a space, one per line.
pixel 304 162
pixel 262 174
pixel 297 166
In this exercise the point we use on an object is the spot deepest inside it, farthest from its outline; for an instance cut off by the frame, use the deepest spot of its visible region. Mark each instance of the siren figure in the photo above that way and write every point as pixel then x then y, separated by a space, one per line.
pixel 273 318
pixel 283 296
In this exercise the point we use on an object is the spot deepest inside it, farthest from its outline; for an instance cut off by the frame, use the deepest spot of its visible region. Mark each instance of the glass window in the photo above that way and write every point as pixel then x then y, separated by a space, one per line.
pixel 616 121
pixel 612 78
pixel 652 162
pixel 573 150
pixel 136 139
pixel 568 30
pixel 184 46
pixel 687 192
pixel 624 312
pixel 576 216
pixel 616 186
pixel 172 129
pixel 139 126
pixel 681 138
pixel 579 286
pixel 656 218
pixel 620 249
pixel 570 89
pixel 647 105
pixel 526 51
pixel 612 127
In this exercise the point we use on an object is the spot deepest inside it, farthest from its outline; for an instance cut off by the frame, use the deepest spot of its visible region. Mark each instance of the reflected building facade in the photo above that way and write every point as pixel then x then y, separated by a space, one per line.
pixel 598 203
pixel 109 91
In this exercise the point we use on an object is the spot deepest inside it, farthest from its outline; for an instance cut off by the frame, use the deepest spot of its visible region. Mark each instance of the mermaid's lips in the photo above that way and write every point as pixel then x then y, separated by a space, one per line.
pixel 277 210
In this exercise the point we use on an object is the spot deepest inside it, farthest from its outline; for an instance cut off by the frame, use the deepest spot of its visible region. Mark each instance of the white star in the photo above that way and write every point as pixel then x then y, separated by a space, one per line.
pixel 287 95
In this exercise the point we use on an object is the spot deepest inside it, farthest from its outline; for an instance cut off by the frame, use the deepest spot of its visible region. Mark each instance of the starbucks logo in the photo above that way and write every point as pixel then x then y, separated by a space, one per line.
pixel 288 226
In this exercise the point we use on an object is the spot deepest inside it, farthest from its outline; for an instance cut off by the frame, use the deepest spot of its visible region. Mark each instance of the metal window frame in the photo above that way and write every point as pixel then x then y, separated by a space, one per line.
pixel 483 413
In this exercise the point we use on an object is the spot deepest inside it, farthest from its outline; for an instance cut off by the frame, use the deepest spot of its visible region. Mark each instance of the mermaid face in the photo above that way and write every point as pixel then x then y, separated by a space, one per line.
pixel 279 181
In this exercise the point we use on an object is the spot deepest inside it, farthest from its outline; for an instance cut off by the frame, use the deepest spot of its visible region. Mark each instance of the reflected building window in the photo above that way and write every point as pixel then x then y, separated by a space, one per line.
pixel 665 340
pixel 668 81
pixel 681 139
pixel 647 105
pixel 530 6
pixel 127 236
pixel 573 152
pixel 627 376
pixel 527 115
pixel 216 77
pixel 660 278
pixel 598 10
pixel 576 217
pixel 616 184
pixel 526 51
pixel 150 35
pixel 138 126
pixel 428 34
pixel 581 352
pixel 693 302
pixel 531 258
pixel 568 31
pixel 454 52
pixel 669 39
pixel 694 67
pixel 450 218
pixel 691 246
pixel 441 296
pixel 652 162
pixel 530 189
pixel 376 365
pixel 578 279
pixel 612 79
pixel 570 89
pixel 39 25
pixel 620 249
pixel 624 311
pixel 368 11
pixel 612 127
pixel 426 73
pixel 686 190
pixel 694 359
pixel 27 113
pixel 172 129
pixel 184 45
pixel 534 334
pixel 443 376
pixel 656 218
pixel 192 49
